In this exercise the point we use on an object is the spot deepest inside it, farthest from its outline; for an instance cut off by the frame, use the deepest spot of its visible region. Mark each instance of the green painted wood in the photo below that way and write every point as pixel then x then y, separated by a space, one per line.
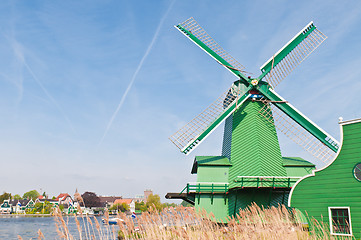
pixel 216 173
pixel 296 161
pixel 255 149
pixel 304 122
pixel 240 199
pixel 213 54
pixel 286 50
pixel 334 186
pixel 213 174
pixel 217 121
pixel 216 204
pixel 209 161
pixel 297 167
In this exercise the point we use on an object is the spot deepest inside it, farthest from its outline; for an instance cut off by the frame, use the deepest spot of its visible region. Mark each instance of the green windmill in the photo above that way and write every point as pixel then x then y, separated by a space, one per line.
pixel 251 167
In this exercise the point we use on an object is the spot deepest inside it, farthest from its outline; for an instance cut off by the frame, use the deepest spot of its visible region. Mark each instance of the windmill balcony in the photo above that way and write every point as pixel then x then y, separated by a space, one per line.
pixel 206 187
pixel 266 181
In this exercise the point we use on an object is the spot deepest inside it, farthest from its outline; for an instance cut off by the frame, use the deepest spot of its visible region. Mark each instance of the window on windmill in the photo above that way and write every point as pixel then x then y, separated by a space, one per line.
pixel 357 172
pixel 340 220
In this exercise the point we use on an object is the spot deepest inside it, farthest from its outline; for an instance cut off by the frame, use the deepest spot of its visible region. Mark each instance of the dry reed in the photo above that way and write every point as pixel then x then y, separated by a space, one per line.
pixel 185 223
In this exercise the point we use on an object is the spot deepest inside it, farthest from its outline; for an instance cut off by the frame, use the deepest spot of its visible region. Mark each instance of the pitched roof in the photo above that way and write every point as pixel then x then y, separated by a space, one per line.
pixel 110 199
pixel 296 162
pixel 23 202
pixel 209 161
pixel 126 200
pixel 48 200
pixel 62 196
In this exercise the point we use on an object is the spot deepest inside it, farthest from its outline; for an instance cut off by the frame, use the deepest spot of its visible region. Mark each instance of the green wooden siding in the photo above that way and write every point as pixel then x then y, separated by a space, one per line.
pixel 216 204
pixel 212 174
pixel 242 198
pixel 255 149
pixel 335 185
pixel 297 167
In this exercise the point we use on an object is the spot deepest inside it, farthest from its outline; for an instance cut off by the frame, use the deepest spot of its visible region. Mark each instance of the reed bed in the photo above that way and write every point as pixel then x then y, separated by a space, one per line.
pixel 185 223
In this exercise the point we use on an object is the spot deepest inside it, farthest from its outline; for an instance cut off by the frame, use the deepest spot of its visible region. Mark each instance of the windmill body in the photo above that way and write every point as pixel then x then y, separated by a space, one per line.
pixel 251 167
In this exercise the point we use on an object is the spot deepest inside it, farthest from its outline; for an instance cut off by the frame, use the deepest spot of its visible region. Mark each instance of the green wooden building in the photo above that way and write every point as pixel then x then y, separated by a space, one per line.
pixel 251 168
pixel 333 194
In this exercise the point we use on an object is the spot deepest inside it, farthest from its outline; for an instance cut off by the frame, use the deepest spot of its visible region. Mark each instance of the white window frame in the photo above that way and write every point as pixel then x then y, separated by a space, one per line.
pixel 331 222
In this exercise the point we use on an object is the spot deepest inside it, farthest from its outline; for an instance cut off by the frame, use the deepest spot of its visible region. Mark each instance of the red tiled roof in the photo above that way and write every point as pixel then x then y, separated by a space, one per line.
pixel 62 196
pixel 126 200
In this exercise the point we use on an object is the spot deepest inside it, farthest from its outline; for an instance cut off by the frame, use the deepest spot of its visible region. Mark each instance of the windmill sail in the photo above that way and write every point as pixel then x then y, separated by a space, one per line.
pixel 291 55
pixel 188 137
pixel 191 29
pixel 301 119
pixel 297 134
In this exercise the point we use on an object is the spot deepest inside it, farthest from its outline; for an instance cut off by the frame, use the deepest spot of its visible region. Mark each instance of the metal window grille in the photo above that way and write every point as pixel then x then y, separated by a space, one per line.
pixel 340 221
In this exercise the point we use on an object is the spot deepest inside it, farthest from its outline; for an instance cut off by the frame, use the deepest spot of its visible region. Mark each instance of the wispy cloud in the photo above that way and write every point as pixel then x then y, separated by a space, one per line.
pixel 19 54
pixel 140 65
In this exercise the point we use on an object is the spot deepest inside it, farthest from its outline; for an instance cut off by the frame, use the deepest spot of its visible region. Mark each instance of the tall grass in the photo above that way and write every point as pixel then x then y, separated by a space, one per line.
pixel 185 223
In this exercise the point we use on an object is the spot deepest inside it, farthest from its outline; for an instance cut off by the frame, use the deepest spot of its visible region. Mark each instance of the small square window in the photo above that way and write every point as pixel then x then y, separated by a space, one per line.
pixel 340 220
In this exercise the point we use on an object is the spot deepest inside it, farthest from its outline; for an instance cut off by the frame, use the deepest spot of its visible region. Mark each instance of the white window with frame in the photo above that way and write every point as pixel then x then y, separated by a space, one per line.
pixel 340 221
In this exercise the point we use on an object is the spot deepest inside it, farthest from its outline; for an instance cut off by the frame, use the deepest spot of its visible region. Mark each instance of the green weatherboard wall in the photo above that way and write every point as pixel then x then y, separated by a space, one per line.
pixel 212 170
pixel 255 149
pixel 335 185
pixel 250 148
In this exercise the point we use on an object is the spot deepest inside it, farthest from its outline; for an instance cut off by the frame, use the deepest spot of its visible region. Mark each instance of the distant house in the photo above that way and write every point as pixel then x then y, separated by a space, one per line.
pixel 139 198
pixel 16 206
pixel 43 200
pixel 143 198
pixel 129 201
pixel 64 198
pixel 108 201
pixel 20 206
pixel 5 207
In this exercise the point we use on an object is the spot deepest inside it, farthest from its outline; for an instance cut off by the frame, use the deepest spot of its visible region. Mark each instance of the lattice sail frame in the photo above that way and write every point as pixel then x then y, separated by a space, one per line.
pixel 296 133
pixel 273 71
pixel 280 69
pixel 193 27
pixel 199 124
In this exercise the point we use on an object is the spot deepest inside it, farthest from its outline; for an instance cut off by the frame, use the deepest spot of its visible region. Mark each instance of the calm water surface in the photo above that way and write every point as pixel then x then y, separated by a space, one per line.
pixel 27 227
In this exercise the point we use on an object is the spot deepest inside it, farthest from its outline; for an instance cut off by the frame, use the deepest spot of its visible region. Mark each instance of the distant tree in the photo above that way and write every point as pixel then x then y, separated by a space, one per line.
pixel 91 199
pixel 43 208
pixel 167 205
pixel 4 196
pixel 33 194
pixel 61 207
pixel 17 197
pixel 154 201
pixel 122 207
pixel 140 206
pixel 186 204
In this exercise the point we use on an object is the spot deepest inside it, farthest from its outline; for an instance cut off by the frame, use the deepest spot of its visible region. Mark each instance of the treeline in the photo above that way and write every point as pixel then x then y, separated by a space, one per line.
pixel 33 194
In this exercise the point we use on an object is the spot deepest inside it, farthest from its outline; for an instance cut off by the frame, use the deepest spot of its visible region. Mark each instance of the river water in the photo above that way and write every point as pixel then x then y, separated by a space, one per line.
pixel 27 227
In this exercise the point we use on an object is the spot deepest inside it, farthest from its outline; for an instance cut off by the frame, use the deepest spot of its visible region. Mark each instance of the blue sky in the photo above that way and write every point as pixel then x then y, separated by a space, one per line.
pixel 90 91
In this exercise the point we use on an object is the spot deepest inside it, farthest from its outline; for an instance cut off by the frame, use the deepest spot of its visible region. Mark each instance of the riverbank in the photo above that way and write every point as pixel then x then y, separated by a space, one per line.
pixel 25 215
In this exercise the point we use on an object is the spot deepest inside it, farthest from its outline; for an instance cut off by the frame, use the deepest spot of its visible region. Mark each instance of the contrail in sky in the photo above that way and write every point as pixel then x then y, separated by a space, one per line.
pixel 48 95
pixel 20 56
pixel 136 72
